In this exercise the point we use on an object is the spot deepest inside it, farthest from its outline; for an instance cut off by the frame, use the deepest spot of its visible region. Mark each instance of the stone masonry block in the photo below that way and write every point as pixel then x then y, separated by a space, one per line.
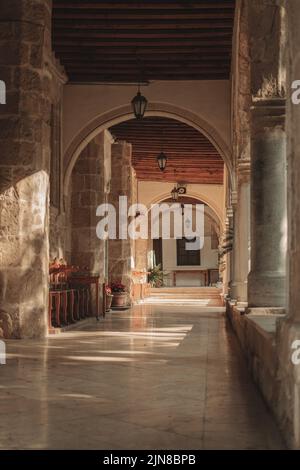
pixel 86 167
pixel 14 53
pixel 88 198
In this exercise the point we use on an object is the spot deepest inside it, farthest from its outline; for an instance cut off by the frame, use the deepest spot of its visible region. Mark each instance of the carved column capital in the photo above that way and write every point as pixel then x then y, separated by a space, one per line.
pixel 243 171
pixel 268 112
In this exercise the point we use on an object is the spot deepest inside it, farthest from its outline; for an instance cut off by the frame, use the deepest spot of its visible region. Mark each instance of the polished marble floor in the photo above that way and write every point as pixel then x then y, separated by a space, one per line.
pixel 155 377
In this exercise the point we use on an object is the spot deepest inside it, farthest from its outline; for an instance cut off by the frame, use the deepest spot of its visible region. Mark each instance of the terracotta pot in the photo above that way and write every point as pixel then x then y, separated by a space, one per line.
pixel 108 302
pixel 119 299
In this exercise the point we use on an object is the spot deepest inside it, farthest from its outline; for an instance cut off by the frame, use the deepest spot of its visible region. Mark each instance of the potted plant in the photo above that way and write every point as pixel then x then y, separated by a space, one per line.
pixel 109 297
pixel 156 276
pixel 119 294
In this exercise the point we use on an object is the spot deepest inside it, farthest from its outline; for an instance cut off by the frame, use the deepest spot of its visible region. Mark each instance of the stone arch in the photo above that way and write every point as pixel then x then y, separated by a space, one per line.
pixel 196 196
pixel 124 113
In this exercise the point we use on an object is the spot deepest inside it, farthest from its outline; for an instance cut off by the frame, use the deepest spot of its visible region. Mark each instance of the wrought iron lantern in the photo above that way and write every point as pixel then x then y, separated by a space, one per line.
pixel 139 105
pixel 162 161
pixel 175 194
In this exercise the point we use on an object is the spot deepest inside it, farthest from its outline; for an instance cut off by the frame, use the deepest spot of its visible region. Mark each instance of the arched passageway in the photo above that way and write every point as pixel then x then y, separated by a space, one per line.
pixel 121 161
pixel 223 70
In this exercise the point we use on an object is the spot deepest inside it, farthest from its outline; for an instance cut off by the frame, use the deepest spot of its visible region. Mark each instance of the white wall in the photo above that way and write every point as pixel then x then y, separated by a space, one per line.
pixel 212 194
pixel 208 257
pixel 208 260
pixel 209 100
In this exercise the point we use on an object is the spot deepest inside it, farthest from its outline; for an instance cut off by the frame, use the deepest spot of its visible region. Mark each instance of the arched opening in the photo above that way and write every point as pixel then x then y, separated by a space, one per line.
pixel 183 266
pixel 120 160
pixel 217 70
pixel 124 113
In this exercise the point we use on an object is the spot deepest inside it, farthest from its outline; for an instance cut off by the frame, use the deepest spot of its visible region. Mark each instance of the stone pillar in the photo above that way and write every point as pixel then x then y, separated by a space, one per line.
pixel 241 152
pixel 289 329
pixel 266 283
pixel 59 244
pixel 121 252
pixel 141 254
pixel 293 126
pixel 242 236
pixel 267 286
pixel 90 185
pixel 226 255
pixel 25 47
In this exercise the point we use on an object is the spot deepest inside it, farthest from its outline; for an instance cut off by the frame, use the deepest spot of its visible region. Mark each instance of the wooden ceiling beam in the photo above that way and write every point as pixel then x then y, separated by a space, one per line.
pixel 104 25
pixel 112 78
pixel 142 35
pixel 74 59
pixel 191 156
pixel 198 173
pixel 140 4
pixel 174 179
pixel 196 69
pixel 138 51
pixel 198 159
pixel 182 162
pixel 184 175
pixel 107 42
pixel 139 15
pixel 91 33
pixel 172 148
pixel 187 161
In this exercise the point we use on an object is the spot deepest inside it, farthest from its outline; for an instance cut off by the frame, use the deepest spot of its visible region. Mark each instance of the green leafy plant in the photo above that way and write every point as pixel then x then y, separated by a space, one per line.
pixel 156 276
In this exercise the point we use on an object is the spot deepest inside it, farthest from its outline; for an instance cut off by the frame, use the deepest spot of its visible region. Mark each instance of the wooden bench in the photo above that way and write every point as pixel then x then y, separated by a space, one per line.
pixel 68 301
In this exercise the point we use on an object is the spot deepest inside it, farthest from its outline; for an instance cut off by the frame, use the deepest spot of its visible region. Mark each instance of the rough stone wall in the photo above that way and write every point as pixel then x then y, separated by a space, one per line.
pixel 90 185
pixel 140 246
pixel 25 55
pixel 241 99
pixel 241 86
pixel 121 252
pixel 58 241
pixel 87 194
pixel 59 235
pixel 259 346
pixel 141 254
pixel 267 36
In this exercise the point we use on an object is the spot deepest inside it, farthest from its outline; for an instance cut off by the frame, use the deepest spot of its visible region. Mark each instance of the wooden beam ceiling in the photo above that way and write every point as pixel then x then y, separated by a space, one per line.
pixel 125 40
pixel 192 158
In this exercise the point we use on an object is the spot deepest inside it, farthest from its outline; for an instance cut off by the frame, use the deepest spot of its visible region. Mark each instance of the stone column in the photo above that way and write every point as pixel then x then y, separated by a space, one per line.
pixel 242 99
pixel 242 236
pixel 226 271
pixel 289 329
pixel 141 254
pixel 266 283
pixel 293 126
pixel 121 252
pixel 90 185
pixel 25 46
pixel 267 286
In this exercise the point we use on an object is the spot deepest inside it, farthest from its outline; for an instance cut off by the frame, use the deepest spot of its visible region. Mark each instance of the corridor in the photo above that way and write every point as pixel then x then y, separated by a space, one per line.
pixel 155 377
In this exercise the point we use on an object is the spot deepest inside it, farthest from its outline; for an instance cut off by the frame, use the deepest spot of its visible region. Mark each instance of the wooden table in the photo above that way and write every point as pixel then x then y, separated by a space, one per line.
pixel 192 271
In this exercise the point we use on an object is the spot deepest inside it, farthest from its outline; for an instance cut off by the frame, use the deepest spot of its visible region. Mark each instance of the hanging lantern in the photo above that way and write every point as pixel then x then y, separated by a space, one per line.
pixel 162 161
pixel 139 105
pixel 174 194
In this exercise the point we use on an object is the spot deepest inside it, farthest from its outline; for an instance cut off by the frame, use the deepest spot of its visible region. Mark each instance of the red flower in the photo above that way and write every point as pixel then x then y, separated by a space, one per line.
pixel 117 287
